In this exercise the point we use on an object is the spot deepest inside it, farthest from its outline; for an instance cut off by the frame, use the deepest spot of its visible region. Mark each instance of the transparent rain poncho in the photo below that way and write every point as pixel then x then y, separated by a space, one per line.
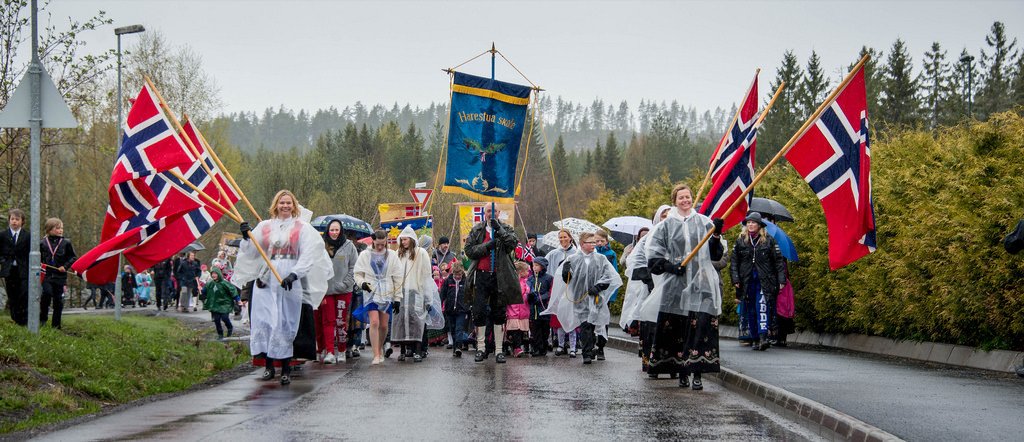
pixel 636 291
pixel 421 302
pixel 293 246
pixel 382 272
pixel 570 301
pixel 699 289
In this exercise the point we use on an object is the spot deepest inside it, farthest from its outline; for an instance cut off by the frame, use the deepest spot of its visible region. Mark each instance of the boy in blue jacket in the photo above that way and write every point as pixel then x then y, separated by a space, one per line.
pixel 540 295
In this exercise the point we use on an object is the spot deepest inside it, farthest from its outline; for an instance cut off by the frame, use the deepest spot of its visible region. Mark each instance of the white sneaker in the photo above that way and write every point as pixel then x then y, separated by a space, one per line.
pixel 329 359
pixel 340 357
pixel 377 361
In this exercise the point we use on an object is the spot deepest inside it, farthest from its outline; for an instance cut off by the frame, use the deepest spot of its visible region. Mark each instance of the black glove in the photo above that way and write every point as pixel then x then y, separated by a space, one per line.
pixel 490 245
pixel 286 283
pixel 244 229
pixel 566 273
pixel 366 287
pixel 719 223
pixel 260 284
pixel 495 224
pixel 649 282
pixel 594 291
pixel 677 269
pixel 396 307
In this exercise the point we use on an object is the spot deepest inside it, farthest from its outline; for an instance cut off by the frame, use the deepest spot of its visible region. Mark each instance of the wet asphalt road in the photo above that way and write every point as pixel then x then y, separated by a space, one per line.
pixel 445 398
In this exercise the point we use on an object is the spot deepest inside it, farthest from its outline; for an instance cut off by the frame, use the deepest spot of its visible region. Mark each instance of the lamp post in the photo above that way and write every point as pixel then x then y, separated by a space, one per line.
pixel 131 29
pixel 969 61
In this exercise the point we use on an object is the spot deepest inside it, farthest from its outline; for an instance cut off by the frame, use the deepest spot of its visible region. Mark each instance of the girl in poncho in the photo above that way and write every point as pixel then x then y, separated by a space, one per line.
pixel 686 301
pixel 379 276
pixel 297 252
pixel 417 292
pixel 638 288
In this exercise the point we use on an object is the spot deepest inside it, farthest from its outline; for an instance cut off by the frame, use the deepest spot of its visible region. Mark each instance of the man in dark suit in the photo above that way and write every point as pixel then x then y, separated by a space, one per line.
pixel 14 248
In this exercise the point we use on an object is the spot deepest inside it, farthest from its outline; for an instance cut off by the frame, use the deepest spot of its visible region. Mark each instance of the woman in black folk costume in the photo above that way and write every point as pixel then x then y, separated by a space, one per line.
pixel 686 301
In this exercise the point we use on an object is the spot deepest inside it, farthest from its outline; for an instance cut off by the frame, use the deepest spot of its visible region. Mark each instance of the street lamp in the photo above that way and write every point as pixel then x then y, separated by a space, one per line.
pixel 131 29
pixel 968 60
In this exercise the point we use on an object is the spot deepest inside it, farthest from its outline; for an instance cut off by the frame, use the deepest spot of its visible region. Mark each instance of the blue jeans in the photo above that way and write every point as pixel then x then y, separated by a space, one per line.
pixel 458 323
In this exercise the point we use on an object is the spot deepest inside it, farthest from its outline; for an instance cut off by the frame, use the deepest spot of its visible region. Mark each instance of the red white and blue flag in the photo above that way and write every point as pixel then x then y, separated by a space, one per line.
pixel 151 214
pixel 478 214
pixel 834 156
pixel 412 210
pixel 732 165
pixel 149 143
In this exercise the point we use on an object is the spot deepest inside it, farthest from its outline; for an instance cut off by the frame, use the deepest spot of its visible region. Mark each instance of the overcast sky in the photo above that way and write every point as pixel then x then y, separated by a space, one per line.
pixel 317 54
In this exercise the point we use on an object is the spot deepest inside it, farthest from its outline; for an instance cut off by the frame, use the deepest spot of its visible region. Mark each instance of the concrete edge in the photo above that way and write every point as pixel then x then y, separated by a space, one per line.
pixel 956 355
pixel 819 418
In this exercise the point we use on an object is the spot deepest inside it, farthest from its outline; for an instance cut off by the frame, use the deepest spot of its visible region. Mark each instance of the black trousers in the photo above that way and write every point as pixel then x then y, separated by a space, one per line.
pixel 588 337
pixel 540 332
pixel 53 292
pixel 486 302
pixel 161 291
pixel 92 298
pixel 17 297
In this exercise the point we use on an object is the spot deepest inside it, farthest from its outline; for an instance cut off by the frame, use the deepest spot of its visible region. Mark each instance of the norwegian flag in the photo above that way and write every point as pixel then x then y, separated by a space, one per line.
pixel 100 265
pixel 192 134
pixel 149 143
pixel 412 210
pixel 735 138
pixel 478 214
pixel 834 157
pixel 732 165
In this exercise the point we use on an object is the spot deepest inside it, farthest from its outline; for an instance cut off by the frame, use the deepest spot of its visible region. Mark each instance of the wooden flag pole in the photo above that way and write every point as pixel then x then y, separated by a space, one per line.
pixel 210 201
pixel 757 124
pixel 192 148
pixel 785 149
pixel 732 123
pixel 227 174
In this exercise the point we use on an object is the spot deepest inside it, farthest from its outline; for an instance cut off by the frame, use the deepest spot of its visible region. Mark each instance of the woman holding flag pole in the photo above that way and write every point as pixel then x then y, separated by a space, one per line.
pixel 297 250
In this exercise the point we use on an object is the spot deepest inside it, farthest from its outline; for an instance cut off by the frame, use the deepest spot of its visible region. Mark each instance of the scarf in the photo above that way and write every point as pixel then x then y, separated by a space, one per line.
pixel 333 245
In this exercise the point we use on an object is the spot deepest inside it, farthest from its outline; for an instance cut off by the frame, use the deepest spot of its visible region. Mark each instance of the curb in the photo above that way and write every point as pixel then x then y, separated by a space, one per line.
pixel 821 419
pixel 957 355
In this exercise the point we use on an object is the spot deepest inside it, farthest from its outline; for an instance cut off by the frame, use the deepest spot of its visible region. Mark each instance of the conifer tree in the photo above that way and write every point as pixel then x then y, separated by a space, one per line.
pixel 814 87
pixel 560 162
pixel 784 117
pixel 935 83
pixel 994 94
pixel 612 163
pixel 899 101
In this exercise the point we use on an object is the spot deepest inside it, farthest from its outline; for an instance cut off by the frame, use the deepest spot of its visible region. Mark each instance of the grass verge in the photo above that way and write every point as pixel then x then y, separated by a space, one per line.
pixel 96 362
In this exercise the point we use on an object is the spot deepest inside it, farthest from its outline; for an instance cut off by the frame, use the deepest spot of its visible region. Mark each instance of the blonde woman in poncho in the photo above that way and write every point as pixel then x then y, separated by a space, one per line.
pixel 414 297
pixel 579 298
pixel 297 252
pixel 686 301
pixel 377 272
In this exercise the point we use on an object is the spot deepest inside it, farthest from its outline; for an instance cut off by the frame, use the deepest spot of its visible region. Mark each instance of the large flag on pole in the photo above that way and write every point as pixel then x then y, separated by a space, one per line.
pixel 834 157
pixel 484 135
pixel 732 165
pixel 149 143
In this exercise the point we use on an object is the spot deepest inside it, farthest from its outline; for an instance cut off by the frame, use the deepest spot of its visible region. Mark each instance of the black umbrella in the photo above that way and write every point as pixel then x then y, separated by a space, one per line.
pixel 771 208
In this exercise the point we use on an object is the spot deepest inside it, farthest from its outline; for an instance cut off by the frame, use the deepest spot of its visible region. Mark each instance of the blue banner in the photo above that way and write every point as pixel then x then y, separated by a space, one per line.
pixel 484 135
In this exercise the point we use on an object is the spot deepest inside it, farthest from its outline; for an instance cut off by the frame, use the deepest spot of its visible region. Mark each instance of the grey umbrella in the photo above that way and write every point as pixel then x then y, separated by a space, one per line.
pixel 194 247
pixel 771 208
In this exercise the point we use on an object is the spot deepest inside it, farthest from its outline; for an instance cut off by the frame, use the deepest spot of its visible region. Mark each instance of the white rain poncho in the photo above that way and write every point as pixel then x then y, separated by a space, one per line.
pixel 636 291
pixel 699 290
pixel 556 256
pixel 570 301
pixel 382 272
pixel 293 246
pixel 418 294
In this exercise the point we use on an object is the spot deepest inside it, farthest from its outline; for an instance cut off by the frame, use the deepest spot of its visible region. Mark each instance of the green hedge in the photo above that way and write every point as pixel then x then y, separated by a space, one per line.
pixel 943 202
